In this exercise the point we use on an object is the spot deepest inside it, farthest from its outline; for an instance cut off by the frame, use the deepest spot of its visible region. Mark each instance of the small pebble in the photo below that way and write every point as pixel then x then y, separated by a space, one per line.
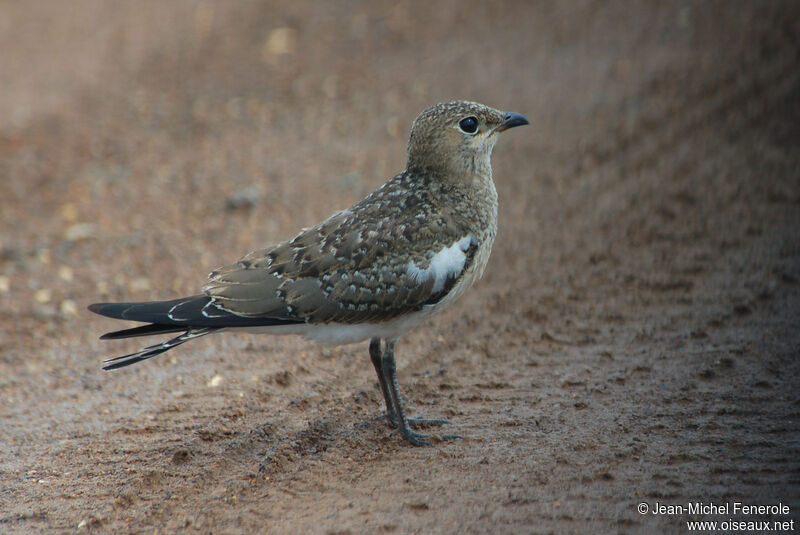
pixel 68 307
pixel 139 284
pixel 65 273
pixel 80 231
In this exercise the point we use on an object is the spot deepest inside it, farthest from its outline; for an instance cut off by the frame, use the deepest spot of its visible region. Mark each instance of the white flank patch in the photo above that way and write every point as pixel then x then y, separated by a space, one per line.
pixel 449 262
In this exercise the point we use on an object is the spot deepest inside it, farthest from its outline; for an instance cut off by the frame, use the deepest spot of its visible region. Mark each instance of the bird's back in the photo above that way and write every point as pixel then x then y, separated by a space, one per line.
pixel 405 247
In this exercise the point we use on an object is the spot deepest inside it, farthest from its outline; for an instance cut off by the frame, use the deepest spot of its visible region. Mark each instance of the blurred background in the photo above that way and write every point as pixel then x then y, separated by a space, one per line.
pixel 635 336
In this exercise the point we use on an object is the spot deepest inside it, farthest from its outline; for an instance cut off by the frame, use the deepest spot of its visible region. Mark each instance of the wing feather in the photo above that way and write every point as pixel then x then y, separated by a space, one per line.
pixel 355 266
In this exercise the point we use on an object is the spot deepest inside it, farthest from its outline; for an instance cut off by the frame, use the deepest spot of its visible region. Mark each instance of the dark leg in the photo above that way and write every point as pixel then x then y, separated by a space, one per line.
pixel 388 368
pixel 375 356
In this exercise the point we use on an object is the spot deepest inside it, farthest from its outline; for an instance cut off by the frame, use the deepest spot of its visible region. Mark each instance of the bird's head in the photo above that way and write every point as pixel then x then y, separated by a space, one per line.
pixel 454 140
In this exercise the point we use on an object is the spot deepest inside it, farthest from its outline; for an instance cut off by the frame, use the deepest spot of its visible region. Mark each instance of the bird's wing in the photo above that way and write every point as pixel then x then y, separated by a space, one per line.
pixel 371 263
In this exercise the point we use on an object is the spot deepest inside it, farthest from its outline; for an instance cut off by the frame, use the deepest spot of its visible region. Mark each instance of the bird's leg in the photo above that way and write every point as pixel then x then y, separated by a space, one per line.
pixel 389 371
pixel 375 355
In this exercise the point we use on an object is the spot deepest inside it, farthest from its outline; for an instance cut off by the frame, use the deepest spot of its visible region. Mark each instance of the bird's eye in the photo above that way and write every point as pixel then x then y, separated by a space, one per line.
pixel 468 125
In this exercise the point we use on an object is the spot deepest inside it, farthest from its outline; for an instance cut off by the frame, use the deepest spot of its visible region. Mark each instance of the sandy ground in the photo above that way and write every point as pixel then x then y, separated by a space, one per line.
pixel 636 338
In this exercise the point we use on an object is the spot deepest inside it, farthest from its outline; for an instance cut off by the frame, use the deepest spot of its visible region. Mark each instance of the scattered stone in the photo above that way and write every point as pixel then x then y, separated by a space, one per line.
pixel 279 41
pixel 181 456
pixel 68 307
pixel 242 199
pixel 42 295
pixel 139 284
pixel 65 273
pixel 80 231
pixel 283 378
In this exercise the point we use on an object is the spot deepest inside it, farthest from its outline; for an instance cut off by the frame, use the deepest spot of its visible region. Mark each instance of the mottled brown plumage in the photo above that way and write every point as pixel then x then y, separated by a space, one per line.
pixel 374 271
pixel 352 267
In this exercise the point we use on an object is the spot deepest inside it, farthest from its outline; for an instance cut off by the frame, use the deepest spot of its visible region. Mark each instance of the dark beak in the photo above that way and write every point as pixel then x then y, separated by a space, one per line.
pixel 510 121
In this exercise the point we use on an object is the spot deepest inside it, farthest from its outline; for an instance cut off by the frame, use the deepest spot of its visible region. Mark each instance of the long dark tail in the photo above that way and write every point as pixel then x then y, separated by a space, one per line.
pixel 194 316
pixel 157 349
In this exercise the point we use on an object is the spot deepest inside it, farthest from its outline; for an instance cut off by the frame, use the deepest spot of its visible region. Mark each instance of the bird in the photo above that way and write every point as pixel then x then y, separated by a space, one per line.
pixel 372 272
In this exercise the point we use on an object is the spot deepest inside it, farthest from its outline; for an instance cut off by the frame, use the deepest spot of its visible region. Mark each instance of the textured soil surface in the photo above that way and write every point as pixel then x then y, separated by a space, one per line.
pixel 635 339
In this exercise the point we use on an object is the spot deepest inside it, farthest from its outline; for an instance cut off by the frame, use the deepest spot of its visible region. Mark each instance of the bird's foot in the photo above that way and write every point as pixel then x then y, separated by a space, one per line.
pixel 391 419
pixel 419 439
pixel 416 439
pixel 417 423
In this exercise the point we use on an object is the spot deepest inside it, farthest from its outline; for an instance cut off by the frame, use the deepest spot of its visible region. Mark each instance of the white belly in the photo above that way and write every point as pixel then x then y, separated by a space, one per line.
pixel 340 334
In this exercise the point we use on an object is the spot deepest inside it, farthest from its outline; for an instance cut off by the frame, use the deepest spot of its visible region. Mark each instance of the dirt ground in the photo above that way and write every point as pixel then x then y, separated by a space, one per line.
pixel 636 337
